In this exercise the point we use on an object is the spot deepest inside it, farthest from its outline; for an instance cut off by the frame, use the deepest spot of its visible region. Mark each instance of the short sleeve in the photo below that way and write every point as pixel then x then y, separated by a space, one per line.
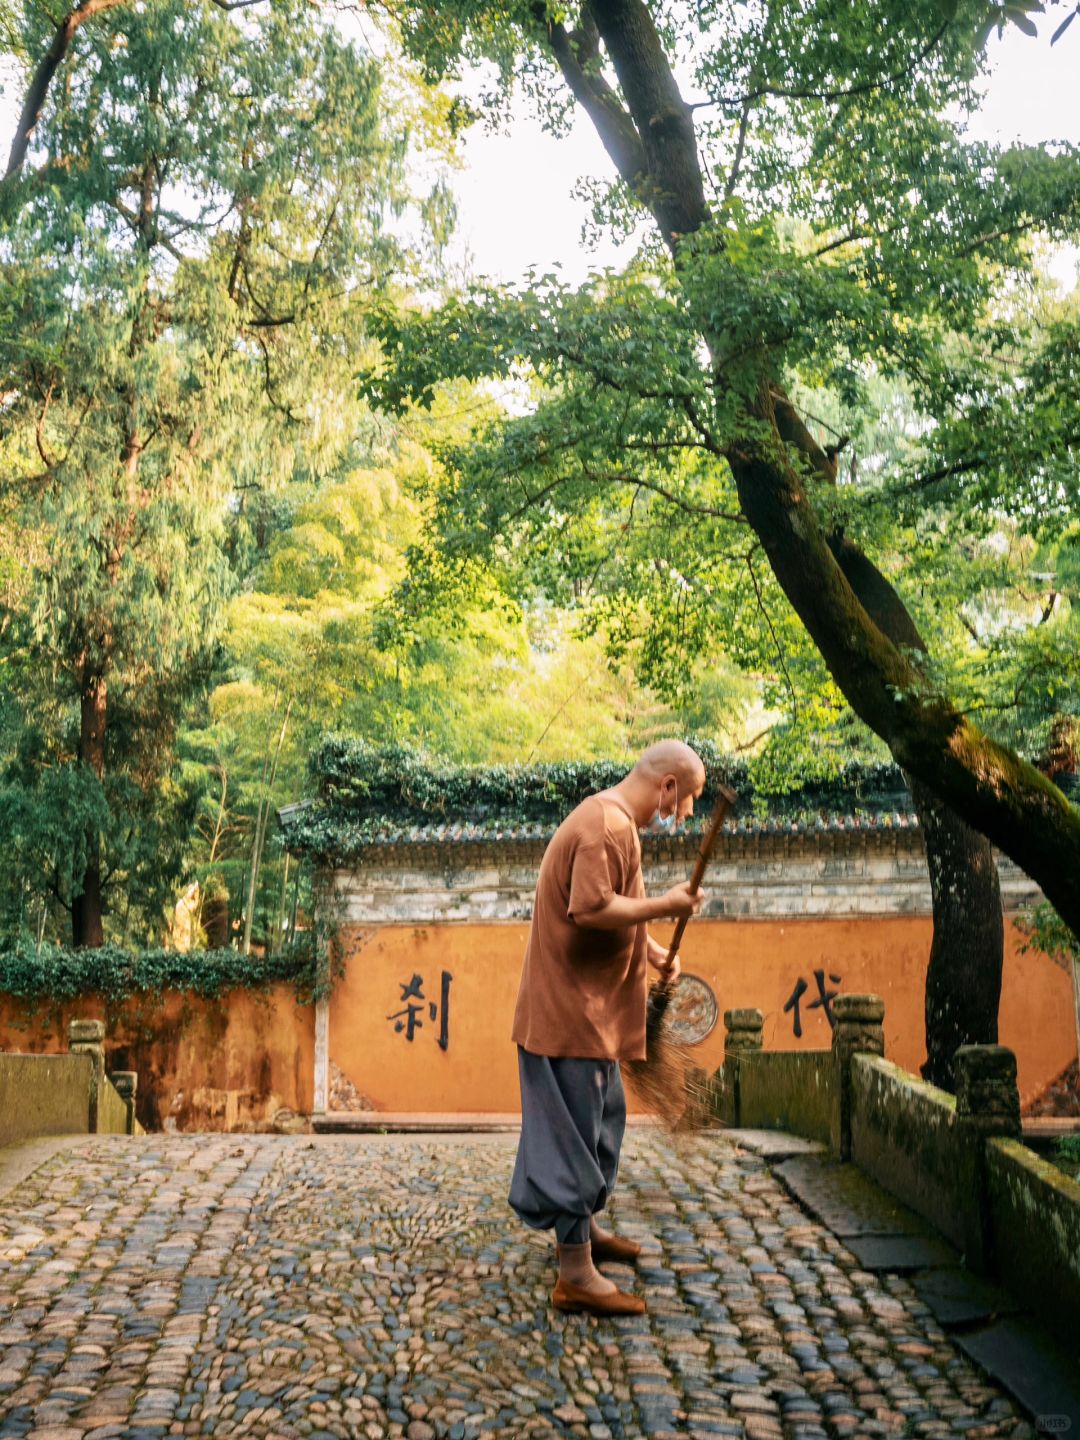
pixel 590 877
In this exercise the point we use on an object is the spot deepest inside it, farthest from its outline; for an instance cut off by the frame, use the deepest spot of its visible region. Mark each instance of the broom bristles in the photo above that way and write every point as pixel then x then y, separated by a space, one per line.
pixel 659 1081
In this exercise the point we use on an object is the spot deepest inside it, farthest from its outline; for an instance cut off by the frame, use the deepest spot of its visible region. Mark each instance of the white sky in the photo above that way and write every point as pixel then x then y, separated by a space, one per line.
pixel 516 209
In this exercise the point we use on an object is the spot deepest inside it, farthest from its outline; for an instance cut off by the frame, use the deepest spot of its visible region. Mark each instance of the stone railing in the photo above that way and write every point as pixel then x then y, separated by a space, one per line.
pixel 66 1094
pixel 956 1161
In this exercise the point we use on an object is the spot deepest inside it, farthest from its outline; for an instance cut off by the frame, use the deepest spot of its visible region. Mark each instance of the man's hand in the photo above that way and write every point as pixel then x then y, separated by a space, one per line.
pixel 657 955
pixel 622 911
pixel 678 901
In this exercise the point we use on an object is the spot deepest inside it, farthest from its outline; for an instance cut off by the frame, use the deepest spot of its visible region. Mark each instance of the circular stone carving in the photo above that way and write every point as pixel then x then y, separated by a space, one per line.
pixel 693 1010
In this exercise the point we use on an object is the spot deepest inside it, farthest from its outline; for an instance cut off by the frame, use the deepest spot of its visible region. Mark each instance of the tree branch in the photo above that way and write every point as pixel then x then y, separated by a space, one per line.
pixel 781 93
pixel 614 126
pixel 848 239
pixel 946 472
pixel 623 383
pixel 39 429
pixel 989 786
pixel 708 439
pixel 1050 606
pixel 278 405
pixel 139 224
pixel 664 121
pixel 47 67
pixel 622 478
pixel 792 430
pixel 1020 228
pixel 776 639
pixel 740 145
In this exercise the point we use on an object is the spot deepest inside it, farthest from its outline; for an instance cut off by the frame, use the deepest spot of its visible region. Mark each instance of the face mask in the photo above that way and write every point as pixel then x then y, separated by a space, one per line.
pixel 665 824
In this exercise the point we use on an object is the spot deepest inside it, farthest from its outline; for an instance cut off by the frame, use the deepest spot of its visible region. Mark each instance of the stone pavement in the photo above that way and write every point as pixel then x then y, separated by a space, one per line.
pixel 378 1286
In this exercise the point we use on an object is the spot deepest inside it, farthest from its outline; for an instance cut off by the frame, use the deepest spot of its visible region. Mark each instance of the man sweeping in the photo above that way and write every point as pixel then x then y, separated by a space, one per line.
pixel 581 1009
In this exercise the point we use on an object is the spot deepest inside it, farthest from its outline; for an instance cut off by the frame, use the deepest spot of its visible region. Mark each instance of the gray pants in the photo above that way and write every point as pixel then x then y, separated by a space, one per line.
pixel 573 1114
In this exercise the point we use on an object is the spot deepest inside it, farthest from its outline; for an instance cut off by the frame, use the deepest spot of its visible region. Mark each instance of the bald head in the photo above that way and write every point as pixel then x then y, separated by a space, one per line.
pixel 672 757
pixel 665 781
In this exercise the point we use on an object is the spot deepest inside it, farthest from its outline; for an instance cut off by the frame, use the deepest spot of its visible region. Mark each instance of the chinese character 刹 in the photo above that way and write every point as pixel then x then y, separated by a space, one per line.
pixel 407 1019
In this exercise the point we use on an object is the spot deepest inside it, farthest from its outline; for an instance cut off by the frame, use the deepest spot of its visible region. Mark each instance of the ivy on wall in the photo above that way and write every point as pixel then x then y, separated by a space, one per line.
pixel 400 784
pixel 57 974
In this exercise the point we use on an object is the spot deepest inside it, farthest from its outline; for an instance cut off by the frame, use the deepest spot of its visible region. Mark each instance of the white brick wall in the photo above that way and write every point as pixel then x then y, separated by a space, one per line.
pixel 869 873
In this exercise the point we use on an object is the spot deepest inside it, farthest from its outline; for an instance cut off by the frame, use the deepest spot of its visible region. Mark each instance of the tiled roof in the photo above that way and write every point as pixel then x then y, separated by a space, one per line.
pixel 493 831
pixel 308 826
pixel 370 799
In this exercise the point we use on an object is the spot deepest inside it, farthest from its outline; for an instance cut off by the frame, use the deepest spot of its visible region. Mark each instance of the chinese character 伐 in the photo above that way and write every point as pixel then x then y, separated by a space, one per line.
pixel 823 1002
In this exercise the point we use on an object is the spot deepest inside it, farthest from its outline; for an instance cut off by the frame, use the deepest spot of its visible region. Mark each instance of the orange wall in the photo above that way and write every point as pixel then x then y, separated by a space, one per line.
pixel 233 1062
pixel 747 962
pixel 224 1064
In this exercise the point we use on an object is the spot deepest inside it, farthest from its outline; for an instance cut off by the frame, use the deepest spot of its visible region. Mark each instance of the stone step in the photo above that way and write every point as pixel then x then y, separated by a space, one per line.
pixel 369 1122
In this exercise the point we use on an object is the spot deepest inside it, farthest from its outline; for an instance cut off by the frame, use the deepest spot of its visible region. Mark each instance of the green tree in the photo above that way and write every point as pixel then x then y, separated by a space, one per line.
pixel 189 244
pixel 350 623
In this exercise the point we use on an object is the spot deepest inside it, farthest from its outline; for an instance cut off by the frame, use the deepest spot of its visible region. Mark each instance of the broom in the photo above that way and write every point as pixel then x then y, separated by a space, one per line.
pixel 659 1078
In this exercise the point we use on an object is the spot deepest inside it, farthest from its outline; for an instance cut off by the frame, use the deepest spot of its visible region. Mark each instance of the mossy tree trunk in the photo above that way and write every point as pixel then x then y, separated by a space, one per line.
pixel 963 978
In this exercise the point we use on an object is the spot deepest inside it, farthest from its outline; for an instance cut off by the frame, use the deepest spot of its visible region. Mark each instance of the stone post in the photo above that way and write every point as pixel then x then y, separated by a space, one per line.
pixel 987 1106
pixel 87 1037
pixel 987 1098
pixel 322 1057
pixel 743 1034
pixel 126 1083
pixel 857 1030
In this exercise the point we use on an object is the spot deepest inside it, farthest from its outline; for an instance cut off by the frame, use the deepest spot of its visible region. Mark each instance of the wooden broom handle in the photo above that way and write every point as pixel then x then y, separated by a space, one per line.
pixel 725 799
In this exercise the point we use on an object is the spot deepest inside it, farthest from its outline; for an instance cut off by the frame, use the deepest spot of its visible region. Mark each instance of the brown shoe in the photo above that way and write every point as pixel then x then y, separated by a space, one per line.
pixel 573 1299
pixel 616 1248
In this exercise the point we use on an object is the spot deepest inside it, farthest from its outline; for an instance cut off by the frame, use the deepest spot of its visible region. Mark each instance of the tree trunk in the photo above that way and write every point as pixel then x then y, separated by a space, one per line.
pixel 262 820
pixel 963 979
pixel 989 786
pixel 86 909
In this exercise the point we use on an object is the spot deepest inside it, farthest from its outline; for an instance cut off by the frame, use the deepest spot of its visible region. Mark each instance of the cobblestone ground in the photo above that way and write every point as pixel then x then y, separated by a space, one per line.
pixel 348 1286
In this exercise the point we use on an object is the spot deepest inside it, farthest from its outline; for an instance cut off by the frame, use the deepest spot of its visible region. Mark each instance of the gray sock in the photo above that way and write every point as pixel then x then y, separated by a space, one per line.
pixel 576 1268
